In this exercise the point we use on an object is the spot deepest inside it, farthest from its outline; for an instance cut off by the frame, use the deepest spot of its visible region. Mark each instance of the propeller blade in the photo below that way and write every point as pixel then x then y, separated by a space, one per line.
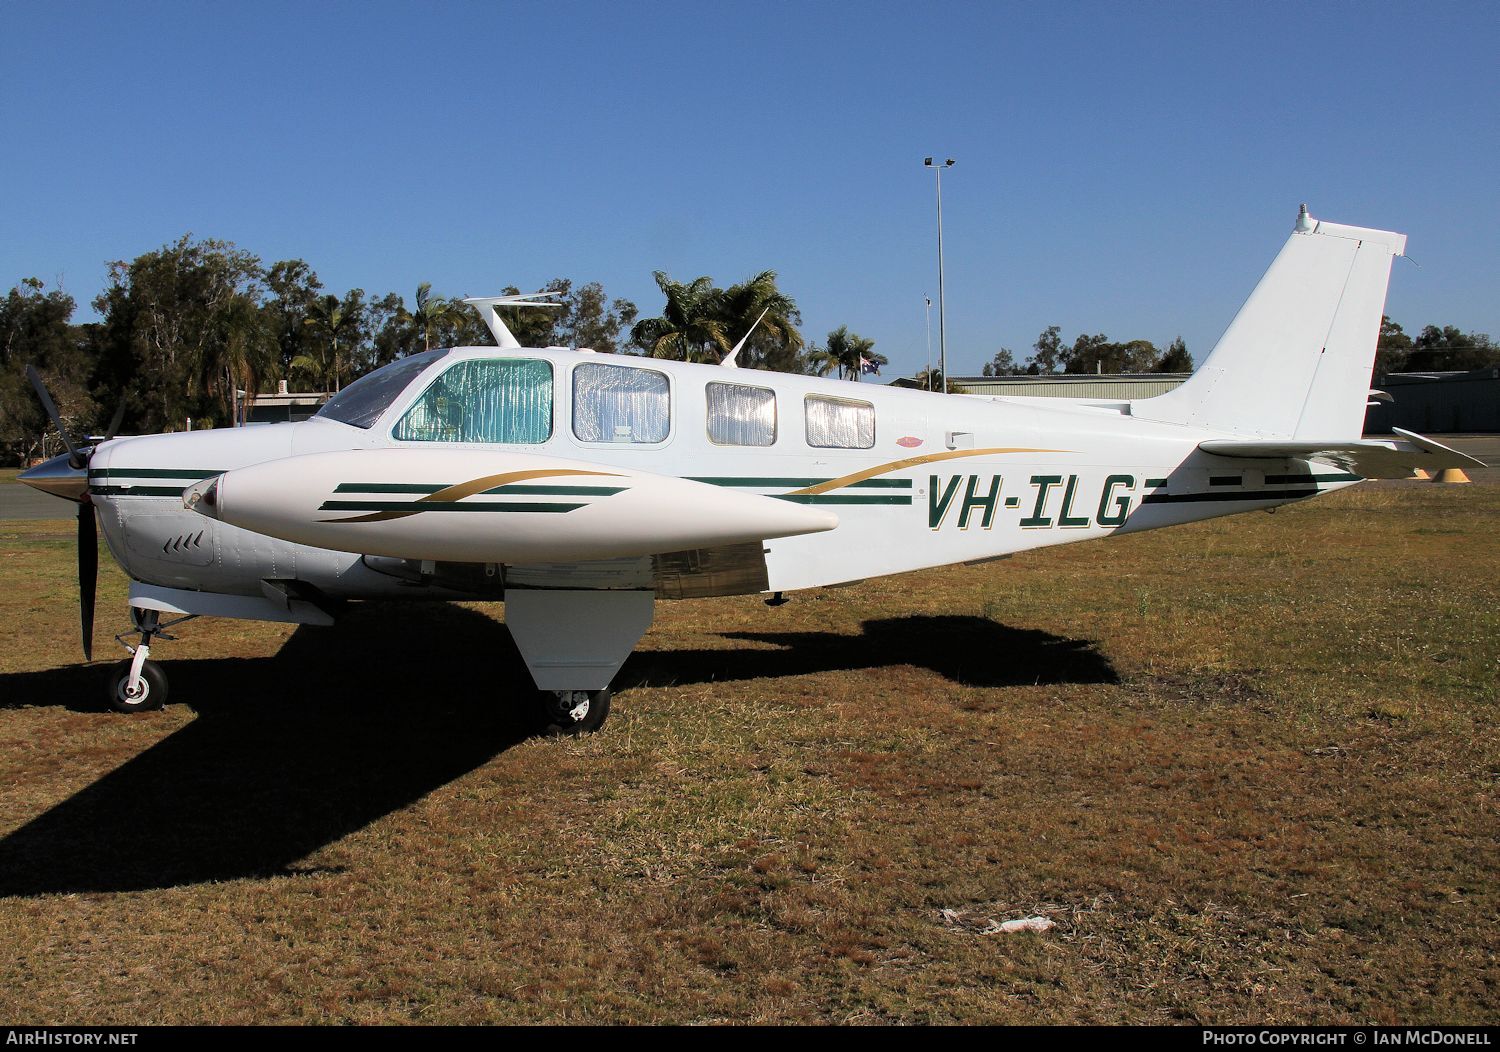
pixel 117 419
pixel 88 574
pixel 52 413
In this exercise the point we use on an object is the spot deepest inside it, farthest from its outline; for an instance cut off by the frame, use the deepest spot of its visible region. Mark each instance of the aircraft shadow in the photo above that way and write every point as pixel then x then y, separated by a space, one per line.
pixel 348 724
pixel 972 651
pixel 288 754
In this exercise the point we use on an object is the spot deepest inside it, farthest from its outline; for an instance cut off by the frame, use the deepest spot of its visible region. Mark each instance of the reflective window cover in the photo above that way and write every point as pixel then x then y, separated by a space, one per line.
pixel 504 400
pixel 616 403
pixel 740 415
pixel 840 423
pixel 362 402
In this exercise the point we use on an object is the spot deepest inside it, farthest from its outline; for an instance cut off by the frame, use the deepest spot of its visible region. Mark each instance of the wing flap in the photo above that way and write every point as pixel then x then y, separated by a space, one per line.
pixel 1370 458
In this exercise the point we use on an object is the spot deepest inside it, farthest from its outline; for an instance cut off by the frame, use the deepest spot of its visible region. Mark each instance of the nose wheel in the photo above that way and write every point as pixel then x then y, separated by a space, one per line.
pixel 139 684
pixel 572 713
pixel 147 692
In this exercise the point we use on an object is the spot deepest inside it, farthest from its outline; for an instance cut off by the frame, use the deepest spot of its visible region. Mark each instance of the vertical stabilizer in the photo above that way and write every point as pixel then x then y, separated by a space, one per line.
pixel 1296 360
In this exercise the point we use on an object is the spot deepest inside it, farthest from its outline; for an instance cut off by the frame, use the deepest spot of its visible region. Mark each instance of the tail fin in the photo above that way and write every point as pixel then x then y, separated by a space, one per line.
pixel 1296 360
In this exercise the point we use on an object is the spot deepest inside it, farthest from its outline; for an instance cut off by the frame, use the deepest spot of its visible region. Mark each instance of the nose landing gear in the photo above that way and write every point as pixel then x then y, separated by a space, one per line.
pixel 139 684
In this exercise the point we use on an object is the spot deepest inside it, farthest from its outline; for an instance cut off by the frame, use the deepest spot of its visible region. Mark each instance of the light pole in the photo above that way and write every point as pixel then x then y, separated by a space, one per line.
pixel 928 300
pixel 942 318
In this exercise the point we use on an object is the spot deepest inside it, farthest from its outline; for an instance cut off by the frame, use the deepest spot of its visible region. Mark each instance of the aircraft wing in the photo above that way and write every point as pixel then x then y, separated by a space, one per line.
pixel 1369 458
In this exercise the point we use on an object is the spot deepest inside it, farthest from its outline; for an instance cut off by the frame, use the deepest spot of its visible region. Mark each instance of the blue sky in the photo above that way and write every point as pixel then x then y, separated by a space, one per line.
pixel 1122 168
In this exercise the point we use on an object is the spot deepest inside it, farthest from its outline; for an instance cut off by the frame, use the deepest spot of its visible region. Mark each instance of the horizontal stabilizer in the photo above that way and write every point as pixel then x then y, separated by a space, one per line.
pixel 1370 458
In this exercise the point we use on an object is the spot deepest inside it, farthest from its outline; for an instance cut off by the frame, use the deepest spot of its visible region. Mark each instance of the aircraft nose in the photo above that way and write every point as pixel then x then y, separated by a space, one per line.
pixel 59 478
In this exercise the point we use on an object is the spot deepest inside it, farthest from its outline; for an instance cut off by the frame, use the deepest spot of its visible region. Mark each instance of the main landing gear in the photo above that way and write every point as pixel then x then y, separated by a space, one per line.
pixel 139 684
pixel 574 712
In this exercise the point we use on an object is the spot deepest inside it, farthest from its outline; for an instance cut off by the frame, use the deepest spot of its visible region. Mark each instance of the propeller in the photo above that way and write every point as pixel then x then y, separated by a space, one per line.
pixel 88 528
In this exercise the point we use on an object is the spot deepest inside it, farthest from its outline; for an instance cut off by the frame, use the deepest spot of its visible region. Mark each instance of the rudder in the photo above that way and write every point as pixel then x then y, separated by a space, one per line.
pixel 1295 362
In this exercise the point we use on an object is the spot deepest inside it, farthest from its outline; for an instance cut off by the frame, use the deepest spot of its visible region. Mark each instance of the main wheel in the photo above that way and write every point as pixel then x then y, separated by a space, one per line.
pixel 150 693
pixel 574 712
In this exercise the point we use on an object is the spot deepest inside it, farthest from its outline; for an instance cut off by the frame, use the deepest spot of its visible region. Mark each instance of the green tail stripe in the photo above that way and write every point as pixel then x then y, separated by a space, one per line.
pixel 1225 480
pixel 1286 480
pixel 1155 483
pixel 447 505
pixel 839 498
pixel 1201 498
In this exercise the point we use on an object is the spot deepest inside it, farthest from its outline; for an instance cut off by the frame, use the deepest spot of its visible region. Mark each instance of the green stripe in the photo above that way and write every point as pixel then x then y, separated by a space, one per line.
pixel 577 491
pixel 385 487
pixel 156 473
pixel 414 487
pixel 1225 480
pixel 723 480
pixel 446 505
pixel 1198 498
pixel 1155 483
pixel 801 483
pixel 136 491
pixel 839 498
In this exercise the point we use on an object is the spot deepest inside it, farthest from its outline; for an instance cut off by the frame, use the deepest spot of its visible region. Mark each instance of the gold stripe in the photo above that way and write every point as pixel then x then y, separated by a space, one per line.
pixel 468 489
pixel 911 462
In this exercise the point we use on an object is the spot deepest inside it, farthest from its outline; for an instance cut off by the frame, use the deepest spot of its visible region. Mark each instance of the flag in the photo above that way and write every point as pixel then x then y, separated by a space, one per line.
pixel 867 366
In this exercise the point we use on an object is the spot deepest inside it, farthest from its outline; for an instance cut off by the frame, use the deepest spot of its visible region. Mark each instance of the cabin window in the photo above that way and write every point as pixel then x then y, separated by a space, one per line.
pixel 362 402
pixel 502 400
pixel 741 416
pixel 840 423
pixel 617 403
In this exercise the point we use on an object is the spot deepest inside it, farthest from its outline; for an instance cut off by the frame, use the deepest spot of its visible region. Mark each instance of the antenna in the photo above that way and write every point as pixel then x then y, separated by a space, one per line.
pixel 729 362
pixel 486 305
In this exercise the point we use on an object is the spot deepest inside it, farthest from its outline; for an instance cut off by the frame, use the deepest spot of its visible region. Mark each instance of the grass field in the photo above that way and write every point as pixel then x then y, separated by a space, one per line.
pixel 1249 768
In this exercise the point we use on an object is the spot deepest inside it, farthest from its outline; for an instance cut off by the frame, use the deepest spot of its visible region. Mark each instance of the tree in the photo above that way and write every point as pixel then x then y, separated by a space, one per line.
pixel 339 325
pixel 701 323
pixel 168 319
pixel 848 350
pixel 690 327
pixel 429 313
pixel 932 380
pixel 774 342
pixel 293 286
pixel 1096 354
pixel 1447 348
pixel 1047 352
pixel 35 330
pixel 1393 349
pixel 1003 364
pixel 1176 359
pixel 591 320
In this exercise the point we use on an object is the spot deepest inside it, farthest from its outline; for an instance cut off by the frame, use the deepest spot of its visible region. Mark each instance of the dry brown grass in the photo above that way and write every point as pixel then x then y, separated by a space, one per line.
pixel 1249 767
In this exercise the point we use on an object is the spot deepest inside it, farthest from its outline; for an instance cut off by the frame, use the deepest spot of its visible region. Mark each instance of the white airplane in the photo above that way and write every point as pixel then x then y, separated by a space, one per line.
pixel 581 488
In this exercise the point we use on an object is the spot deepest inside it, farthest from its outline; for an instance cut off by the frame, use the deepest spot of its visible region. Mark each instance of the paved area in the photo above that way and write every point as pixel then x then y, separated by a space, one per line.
pixel 23 502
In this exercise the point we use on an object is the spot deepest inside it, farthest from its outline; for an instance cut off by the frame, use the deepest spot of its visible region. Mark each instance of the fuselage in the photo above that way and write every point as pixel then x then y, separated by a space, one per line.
pixel 915 479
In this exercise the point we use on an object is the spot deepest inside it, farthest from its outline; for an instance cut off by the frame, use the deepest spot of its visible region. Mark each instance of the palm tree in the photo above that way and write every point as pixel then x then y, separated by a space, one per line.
pixel 337 320
pixel 850 350
pixel 691 326
pixel 775 343
pixel 432 311
pixel 818 362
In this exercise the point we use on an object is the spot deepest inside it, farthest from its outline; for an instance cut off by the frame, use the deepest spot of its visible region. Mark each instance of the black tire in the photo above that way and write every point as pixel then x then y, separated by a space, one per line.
pixel 153 688
pixel 558 717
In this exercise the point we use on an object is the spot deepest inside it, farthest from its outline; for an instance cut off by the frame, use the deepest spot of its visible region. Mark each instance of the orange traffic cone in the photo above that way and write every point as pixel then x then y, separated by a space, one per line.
pixel 1420 474
pixel 1452 475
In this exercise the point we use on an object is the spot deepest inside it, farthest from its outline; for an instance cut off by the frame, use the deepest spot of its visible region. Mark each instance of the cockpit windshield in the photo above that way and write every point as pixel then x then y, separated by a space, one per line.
pixel 362 402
